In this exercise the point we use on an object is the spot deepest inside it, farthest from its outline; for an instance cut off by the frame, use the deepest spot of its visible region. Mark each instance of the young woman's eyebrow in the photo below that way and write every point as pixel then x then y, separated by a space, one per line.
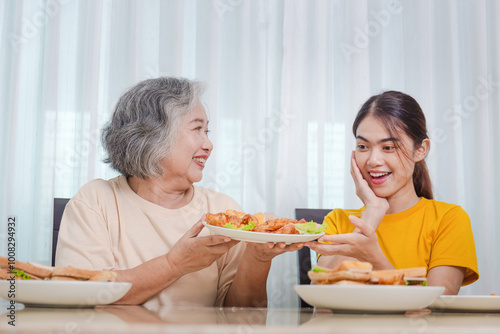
pixel 380 141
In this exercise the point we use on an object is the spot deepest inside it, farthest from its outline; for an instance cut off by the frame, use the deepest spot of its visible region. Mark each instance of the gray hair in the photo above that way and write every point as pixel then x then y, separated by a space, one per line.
pixel 145 123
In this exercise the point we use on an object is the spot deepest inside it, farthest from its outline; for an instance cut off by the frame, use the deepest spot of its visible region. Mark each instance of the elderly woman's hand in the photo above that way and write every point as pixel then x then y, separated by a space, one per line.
pixel 192 253
pixel 266 252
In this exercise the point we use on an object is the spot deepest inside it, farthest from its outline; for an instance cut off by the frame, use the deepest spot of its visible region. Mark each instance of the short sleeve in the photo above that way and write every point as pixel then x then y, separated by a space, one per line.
pixel 337 221
pixel 83 238
pixel 454 244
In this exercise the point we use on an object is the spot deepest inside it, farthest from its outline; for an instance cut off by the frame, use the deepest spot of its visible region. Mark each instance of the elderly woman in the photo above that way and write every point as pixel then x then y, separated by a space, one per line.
pixel 146 224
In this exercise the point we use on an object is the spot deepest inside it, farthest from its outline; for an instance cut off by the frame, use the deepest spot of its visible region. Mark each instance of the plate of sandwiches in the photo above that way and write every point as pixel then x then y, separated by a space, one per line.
pixel 255 228
pixel 40 285
pixel 354 287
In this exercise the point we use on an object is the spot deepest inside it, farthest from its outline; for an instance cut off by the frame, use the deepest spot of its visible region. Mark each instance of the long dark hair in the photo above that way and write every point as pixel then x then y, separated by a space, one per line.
pixel 400 112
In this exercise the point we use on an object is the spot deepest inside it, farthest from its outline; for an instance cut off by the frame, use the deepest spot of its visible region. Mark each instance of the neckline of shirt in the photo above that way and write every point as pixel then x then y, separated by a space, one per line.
pixel 394 217
pixel 155 208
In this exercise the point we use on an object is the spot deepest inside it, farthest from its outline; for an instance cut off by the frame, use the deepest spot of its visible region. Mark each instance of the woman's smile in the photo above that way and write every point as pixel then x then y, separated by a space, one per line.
pixel 377 177
pixel 200 160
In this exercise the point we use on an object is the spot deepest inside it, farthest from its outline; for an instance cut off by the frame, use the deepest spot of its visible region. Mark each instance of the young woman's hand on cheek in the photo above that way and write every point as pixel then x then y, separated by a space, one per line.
pixel 363 190
pixel 375 207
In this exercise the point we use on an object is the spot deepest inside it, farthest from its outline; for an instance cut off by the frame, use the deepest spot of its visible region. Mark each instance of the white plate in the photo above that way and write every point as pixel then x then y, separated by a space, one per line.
pixel 64 293
pixel 467 303
pixel 261 237
pixel 369 298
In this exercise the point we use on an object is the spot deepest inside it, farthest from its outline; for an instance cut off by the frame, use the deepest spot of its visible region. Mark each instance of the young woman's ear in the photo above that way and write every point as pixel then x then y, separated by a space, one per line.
pixel 422 151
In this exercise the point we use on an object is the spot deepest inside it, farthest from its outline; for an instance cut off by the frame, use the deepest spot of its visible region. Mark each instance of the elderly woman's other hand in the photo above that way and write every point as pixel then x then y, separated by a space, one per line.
pixel 267 251
pixel 192 252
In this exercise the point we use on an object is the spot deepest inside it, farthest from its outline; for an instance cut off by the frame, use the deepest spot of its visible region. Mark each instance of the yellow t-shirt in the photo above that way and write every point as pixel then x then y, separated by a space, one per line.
pixel 430 234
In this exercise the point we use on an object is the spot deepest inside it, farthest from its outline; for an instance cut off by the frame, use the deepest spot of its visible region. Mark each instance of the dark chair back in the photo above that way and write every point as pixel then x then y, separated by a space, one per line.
pixel 59 205
pixel 304 254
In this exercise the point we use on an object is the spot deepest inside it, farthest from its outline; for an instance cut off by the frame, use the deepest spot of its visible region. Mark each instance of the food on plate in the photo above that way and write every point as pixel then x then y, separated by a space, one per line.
pixel 36 271
pixel 22 270
pixel 257 223
pixel 356 273
pixel 70 273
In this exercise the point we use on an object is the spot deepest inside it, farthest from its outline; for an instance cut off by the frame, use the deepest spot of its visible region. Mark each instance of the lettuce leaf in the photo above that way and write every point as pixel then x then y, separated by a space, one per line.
pixel 317 270
pixel 21 273
pixel 247 227
pixel 310 228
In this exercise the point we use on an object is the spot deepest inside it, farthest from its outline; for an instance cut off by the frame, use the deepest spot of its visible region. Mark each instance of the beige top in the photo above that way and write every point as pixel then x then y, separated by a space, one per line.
pixel 106 225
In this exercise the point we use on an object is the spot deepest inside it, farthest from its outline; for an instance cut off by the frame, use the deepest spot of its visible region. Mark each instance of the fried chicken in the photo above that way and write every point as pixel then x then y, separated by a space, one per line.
pixel 238 219
pixel 221 219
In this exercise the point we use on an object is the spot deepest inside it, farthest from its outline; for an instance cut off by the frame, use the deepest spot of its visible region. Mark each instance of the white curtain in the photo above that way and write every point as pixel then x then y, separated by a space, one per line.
pixel 285 79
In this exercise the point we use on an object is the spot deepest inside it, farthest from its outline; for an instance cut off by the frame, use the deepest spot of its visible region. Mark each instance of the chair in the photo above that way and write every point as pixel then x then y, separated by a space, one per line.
pixel 59 205
pixel 304 254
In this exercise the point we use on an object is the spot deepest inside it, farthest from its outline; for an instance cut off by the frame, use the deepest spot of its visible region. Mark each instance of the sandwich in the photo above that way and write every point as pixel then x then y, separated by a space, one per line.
pixel 406 276
pixel 35 271
pixel 347 273
pixel 22 270
pixel 361 273
pixel 70 273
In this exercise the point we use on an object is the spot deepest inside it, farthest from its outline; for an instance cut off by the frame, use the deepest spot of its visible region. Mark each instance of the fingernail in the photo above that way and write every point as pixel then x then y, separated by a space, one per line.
pixel 227 239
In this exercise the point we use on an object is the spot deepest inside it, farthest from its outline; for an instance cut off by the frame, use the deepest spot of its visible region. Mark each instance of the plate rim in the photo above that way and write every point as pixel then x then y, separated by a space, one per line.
pixel 448 303
pixel 360 288
pixel 35 284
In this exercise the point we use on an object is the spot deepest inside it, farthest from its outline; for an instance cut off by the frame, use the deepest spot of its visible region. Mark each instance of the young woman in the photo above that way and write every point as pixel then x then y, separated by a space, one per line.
pixel 400 225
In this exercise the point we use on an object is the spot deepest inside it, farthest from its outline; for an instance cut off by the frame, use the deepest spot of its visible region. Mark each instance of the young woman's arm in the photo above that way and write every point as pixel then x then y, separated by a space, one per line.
pixel 450 277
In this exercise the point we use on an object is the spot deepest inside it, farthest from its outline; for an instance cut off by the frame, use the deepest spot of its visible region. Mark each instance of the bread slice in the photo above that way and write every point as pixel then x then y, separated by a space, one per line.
pixel 410 272
pixel 70 271
pixel 66 278
pixel 5 274
pixel 332 277
pixel 42 266
pixel 4 262
pixel 26 267
pixel 104 276
pixel 346 282
pixel 354 265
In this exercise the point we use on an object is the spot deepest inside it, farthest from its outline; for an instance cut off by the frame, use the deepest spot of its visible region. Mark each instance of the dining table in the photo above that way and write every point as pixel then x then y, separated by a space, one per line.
pixel 241 320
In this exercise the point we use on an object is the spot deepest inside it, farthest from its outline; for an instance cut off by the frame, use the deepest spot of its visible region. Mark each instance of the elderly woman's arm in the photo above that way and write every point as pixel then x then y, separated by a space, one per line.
pixel 249 285
pixel 191 253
